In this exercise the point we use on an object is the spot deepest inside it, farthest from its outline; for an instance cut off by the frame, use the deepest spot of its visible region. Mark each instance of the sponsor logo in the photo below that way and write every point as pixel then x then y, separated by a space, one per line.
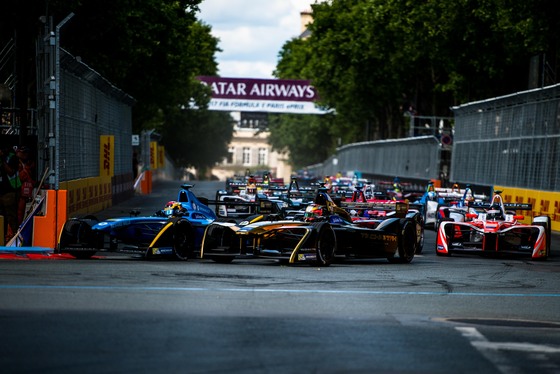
pixel 307 250
pixel 382 237
pixel 306 257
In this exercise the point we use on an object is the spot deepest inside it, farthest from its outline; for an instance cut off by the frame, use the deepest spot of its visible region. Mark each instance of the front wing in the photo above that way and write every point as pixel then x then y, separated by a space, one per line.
pixel 298 241
pixel 525 240
pixel 84 237
pixel 282 240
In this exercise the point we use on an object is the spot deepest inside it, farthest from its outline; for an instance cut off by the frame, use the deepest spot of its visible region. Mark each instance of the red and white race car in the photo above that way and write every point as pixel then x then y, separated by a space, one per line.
pixel 495 229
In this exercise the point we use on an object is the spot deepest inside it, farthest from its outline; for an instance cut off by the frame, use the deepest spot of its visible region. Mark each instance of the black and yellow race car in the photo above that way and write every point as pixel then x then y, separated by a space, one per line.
pixel 326 233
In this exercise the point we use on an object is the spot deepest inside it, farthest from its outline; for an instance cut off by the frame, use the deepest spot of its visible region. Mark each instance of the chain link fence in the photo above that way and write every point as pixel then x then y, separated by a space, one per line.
pixel 90 106
pixel 416 158
pixel 512 140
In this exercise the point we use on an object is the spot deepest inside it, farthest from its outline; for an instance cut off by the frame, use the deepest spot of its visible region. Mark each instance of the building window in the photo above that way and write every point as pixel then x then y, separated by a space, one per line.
pixel 263 156
pixel 246 156
pixel 231 153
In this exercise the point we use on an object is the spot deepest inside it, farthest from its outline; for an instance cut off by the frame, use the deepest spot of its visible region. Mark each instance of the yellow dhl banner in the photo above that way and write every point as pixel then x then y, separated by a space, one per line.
pixel 106 156
pixel 544 203
pixel 161 156
pixel 153 155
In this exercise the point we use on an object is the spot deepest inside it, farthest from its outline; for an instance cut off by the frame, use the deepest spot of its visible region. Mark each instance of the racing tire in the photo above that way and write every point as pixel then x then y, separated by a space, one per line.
pixel 548 233
pixel 420 241
pixel 183 240
pixel 407 244
pixel 325 244
pixel 76 231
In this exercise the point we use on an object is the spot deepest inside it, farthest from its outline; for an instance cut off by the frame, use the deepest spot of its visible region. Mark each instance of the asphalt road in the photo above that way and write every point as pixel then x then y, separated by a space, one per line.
pixel 121 314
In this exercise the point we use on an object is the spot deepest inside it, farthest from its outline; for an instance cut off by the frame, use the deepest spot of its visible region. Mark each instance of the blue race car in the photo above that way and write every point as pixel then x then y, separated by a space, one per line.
pixel 177 231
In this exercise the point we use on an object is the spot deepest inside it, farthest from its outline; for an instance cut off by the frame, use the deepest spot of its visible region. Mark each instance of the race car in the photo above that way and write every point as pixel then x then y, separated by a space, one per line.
pixel 287 202
pixel 496 229
pixel 326 232
pixel 176 231
pixel 244 202
pixel 439 203
pixel 372 213
pixel 456 206
pixel 429 203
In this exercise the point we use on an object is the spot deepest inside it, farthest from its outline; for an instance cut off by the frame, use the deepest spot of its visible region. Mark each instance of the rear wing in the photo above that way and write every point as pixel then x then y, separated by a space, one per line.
pixel 399 207
pixel 508 206
pixel 261 205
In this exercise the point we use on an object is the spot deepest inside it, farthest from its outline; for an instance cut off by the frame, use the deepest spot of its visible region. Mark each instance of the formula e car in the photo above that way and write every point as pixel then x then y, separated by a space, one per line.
pixel 327 232
pixel 496 229
pixel 457 205
pixel 439 203
pixel 177 231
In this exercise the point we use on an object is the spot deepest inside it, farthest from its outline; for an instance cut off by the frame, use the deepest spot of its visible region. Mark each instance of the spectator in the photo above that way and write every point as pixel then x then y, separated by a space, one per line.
pixel 26 172
pixel 9 190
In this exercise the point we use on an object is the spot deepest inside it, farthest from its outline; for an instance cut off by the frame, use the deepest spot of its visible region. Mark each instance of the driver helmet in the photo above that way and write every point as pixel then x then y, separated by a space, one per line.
pixel 430 187
pixel 469 196
pixel 495 212
pixel 174 208
pixel 251 190
pixel 314 212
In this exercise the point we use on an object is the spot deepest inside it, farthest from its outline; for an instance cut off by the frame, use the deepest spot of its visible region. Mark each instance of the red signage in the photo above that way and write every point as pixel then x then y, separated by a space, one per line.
pixel 260 89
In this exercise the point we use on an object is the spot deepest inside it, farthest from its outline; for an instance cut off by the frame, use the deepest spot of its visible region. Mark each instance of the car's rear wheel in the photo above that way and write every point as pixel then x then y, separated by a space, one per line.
pixel 407 244
pixel 77 232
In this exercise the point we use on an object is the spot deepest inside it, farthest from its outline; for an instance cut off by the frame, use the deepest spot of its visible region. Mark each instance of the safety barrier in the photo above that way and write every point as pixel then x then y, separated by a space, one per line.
pixel 543 202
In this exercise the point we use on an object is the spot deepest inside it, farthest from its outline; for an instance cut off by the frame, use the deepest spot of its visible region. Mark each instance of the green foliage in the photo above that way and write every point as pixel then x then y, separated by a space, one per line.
pixel 197 138
pixel 308 138
pixel 152 50
pixel 372 60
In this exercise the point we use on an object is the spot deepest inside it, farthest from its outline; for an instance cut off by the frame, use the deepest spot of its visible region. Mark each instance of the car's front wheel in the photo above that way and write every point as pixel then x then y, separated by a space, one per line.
pixel 325 243
pixel 183 240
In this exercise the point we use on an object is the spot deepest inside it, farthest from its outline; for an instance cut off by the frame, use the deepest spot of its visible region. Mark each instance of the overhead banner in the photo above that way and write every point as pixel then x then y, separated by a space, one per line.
pixel 262 95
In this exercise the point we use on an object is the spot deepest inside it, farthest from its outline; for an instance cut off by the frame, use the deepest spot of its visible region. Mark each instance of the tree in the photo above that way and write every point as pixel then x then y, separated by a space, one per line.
pixel 151 49
pixel 371 60
pixel 306 138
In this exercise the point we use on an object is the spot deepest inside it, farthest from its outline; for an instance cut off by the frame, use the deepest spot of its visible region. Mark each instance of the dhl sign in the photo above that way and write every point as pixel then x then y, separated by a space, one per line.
pixel 542 202
pixel 153 155
pixel 106 156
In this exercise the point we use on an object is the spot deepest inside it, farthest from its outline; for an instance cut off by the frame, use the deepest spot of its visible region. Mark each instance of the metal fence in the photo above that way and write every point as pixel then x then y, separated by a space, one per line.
pixel 90 106
pixel 416 158
pixel 512 140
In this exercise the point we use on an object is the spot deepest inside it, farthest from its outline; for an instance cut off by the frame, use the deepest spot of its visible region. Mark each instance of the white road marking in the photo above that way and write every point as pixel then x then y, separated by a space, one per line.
pixel 493 352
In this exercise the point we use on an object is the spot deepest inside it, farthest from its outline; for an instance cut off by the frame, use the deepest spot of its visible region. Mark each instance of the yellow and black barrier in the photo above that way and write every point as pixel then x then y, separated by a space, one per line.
pixel 543 203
